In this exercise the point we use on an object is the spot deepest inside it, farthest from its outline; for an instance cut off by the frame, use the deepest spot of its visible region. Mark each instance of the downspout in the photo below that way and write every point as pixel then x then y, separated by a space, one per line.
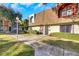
pixel 43 23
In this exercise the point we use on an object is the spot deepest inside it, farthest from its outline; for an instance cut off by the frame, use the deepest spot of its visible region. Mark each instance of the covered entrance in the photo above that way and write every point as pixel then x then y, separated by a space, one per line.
pixel 44 30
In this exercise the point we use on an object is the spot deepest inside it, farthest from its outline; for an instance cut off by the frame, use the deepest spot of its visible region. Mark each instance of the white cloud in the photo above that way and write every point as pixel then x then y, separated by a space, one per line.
pixel 14 5
pixel 20 9
pixel 39 5
pixel 26 4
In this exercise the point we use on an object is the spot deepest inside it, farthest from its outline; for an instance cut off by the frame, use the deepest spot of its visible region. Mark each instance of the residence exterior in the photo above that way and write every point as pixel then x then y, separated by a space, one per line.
pixel 5 24
pixel 63 18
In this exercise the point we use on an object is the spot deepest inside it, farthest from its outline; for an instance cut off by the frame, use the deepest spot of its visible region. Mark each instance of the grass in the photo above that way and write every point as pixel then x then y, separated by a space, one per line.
pixel 6 37
pixel 68 45
pixel 11 47
pixel 29 35
pixel 65 44
pixel 66 36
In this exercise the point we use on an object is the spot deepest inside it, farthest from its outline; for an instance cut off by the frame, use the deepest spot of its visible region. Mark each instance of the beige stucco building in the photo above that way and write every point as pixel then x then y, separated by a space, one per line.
pixel 62 18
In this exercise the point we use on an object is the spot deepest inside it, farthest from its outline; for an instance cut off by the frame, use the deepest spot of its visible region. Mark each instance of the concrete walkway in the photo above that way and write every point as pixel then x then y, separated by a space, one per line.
pixel 28 40
pixel 42 49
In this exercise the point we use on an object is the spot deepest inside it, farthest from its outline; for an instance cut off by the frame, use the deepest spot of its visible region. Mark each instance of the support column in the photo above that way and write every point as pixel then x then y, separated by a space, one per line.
pixel 43 30
pixel 73 28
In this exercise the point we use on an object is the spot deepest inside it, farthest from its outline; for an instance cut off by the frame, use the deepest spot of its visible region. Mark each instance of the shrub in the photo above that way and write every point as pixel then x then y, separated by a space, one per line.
pixel 33 32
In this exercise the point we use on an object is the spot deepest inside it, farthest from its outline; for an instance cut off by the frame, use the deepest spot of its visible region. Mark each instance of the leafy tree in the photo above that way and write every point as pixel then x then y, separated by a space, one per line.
pixel 24 25
pixel 7 12
pixel 18 14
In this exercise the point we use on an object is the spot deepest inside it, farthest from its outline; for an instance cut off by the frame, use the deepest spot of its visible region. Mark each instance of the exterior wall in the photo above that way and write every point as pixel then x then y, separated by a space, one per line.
pixel 31 19
pixel 75 29
pixel 52 29
pixel 36 28
pixel 56 28
pixel 6 25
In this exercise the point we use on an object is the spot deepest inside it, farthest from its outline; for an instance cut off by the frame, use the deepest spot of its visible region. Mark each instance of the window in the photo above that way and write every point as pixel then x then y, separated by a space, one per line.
pixel 63 13
pixel 65 28
pixel 69 12
pixel 66 12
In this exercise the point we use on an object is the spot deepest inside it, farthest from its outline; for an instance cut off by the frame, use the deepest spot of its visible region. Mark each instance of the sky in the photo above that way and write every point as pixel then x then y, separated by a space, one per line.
pixel 27 9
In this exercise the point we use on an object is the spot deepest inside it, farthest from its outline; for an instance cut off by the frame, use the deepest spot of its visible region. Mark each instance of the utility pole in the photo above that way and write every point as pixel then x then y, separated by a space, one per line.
pixel 17 26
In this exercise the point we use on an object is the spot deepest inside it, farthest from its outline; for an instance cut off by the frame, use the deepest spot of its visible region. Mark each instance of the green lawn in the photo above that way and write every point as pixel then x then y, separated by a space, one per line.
pixel 65 44
pixel 28 35
pixel 71 46
pixel 11 47
pixel 66 36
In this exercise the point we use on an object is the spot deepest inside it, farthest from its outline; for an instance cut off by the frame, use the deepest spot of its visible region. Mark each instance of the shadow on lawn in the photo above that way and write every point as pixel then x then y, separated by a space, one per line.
pixel 1 40
pixel 5 45
pixel 15 48
pixel 69 45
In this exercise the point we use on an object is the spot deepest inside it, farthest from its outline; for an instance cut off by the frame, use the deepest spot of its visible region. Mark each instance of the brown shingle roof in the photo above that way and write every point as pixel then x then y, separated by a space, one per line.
pixel 50 17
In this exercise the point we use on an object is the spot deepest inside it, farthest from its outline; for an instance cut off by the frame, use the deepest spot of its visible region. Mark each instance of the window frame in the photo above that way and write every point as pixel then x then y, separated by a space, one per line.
pixel 66 12
pixel 69 12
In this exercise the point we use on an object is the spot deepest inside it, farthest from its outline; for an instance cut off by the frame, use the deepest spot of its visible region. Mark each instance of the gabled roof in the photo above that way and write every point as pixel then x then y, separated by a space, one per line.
pixel 50 17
